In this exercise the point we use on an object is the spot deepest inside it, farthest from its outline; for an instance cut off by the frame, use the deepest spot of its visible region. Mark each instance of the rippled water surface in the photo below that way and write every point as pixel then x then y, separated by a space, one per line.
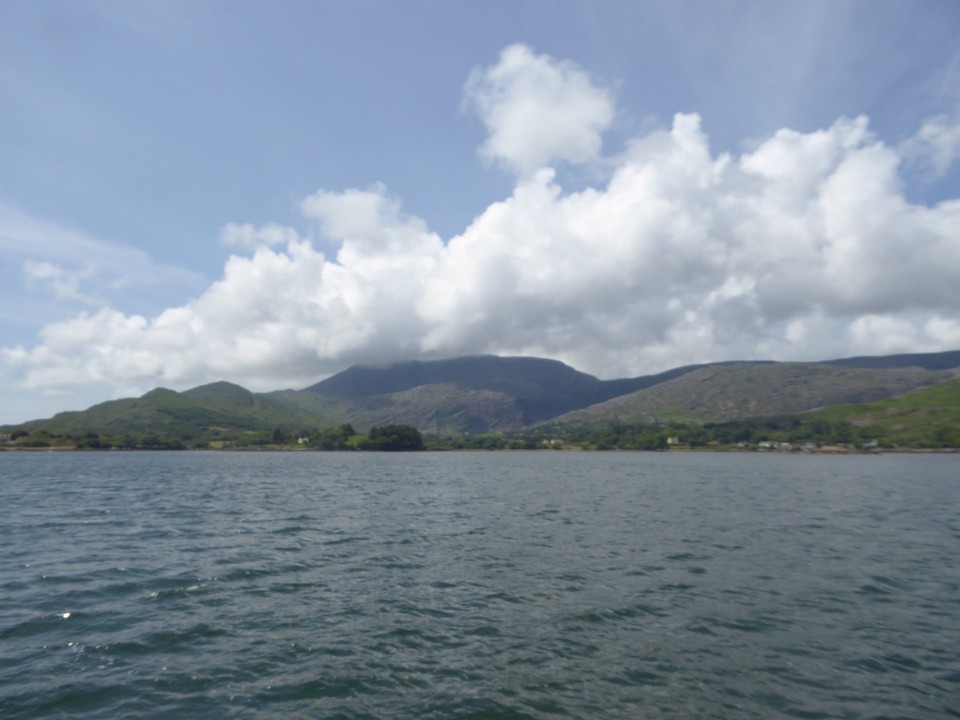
pixel 479 585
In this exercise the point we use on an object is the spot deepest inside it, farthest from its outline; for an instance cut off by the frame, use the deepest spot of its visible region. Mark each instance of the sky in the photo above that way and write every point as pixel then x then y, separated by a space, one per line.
pixel 270 192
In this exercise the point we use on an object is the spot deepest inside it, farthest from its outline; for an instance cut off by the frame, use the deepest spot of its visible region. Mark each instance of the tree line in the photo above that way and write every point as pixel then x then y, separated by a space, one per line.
pixel 797 430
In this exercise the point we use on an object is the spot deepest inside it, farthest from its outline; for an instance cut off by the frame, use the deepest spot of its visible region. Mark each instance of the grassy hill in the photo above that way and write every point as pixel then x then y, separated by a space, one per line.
pixel 929 417
pixel 161 418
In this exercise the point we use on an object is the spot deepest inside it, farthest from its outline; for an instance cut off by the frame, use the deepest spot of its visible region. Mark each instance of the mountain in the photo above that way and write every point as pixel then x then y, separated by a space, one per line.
pixel 224 395
pixel 929 361
pixel 539 389
pixel 485 393
pixel 529 390
pixel 744 390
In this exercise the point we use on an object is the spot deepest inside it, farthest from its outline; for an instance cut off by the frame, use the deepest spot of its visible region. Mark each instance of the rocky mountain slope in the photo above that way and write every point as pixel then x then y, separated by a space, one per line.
pixel 741 391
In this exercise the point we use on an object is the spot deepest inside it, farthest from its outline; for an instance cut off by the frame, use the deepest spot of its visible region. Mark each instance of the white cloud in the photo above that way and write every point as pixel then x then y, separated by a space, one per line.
pixel 251 236
pixel 63 283
pixel 803 248
pixel 537 109
pixel 936 146
pixel 918 332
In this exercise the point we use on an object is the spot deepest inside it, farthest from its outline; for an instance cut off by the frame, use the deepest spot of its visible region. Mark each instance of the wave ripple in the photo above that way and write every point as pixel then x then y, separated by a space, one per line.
pixel 478 585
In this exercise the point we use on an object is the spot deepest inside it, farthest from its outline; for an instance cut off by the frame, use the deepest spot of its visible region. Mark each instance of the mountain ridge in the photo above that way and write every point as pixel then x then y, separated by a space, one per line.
pixel 542 388
pixel 742 391
pixel 487 393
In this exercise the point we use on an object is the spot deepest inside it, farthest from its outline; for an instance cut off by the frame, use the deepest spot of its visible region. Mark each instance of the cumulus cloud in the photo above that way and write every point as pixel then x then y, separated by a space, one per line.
pixel 803 248
pixel 537 110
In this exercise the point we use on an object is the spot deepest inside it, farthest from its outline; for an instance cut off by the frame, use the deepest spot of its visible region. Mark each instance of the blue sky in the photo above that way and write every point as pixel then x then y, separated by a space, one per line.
pixel 269 192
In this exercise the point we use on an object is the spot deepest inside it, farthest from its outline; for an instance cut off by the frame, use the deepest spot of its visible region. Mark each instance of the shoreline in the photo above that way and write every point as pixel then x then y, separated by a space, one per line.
pixel 827 450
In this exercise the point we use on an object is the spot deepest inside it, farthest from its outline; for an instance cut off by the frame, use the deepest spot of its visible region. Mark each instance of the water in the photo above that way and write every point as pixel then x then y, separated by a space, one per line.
pixel 479 585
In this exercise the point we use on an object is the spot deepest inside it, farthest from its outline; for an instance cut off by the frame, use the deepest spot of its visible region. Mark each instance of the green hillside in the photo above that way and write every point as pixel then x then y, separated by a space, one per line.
pixel 158 410
pixel 222 414
pixel 211 414
pixel 925 418
pixel 224 395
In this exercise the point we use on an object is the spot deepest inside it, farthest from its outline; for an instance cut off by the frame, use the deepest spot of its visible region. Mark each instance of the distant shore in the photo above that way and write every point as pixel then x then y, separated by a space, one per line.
pixel 828 450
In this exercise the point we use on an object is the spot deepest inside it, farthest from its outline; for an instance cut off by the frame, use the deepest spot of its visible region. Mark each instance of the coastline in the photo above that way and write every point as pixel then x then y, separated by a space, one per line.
pixel 826 450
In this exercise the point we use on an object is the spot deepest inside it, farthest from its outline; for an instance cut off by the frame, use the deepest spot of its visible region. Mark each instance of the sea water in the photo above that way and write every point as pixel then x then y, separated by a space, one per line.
pixel 479 585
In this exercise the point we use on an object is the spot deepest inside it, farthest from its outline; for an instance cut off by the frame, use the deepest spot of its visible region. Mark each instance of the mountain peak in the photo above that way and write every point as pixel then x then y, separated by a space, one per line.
pixel 222 393
pixel 541 388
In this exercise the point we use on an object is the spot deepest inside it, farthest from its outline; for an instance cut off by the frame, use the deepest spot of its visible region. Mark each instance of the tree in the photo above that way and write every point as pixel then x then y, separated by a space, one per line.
pixel 393 438
pixel 333 438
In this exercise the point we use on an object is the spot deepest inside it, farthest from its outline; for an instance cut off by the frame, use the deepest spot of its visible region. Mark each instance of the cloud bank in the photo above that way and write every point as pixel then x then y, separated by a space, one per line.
pixel 804 247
